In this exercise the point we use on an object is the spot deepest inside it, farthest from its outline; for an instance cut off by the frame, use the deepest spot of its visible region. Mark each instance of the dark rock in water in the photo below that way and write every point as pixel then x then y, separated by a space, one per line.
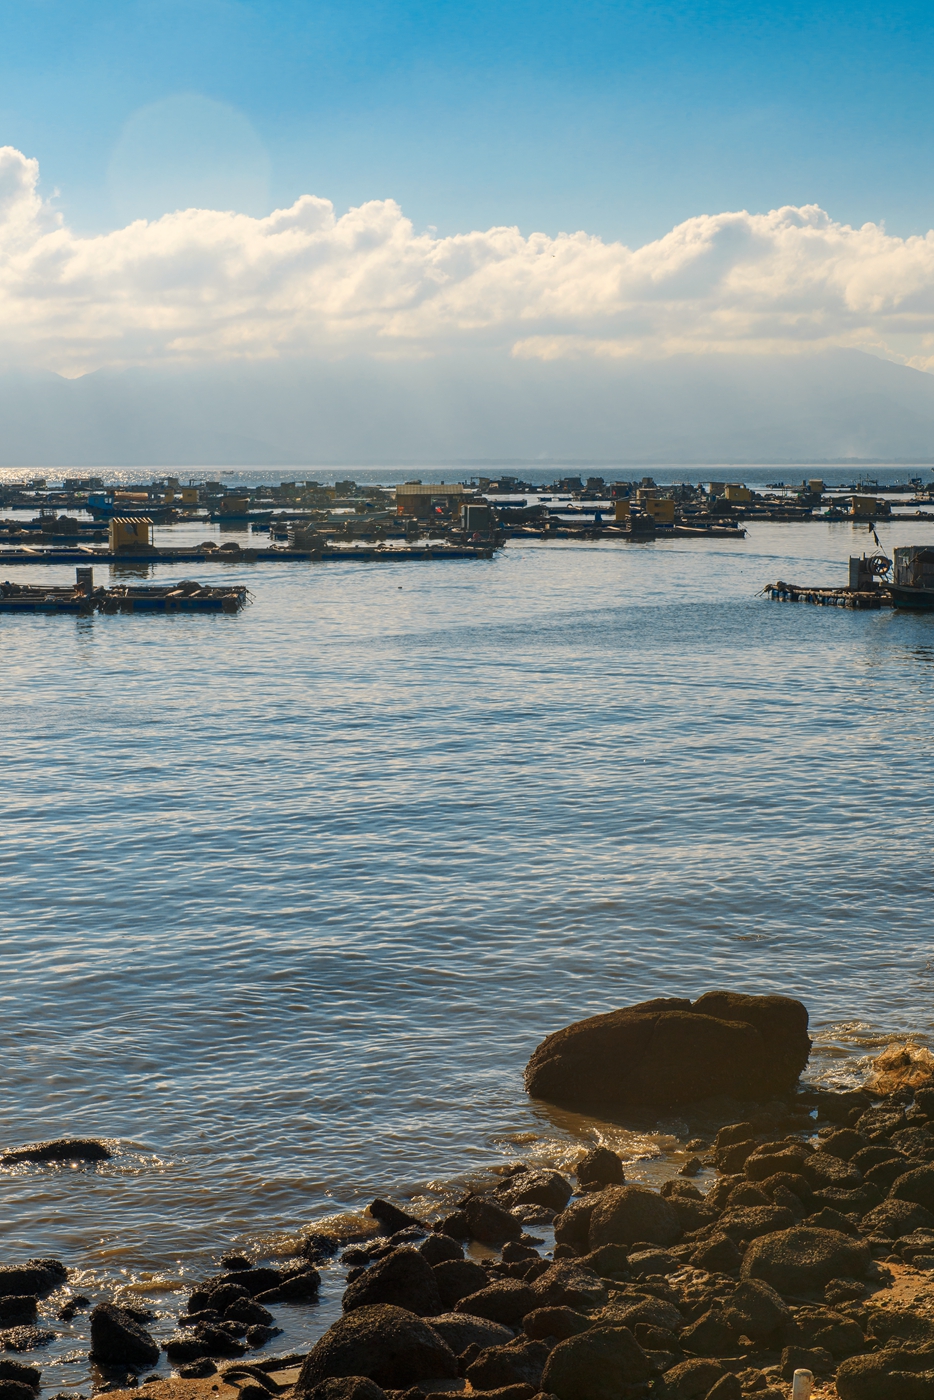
pixel 440 1249
pixel 248 1311
pixel 219 1341
pixel 18 1312
pixel 554 1322
pixel 388 1345
pixel 461 1331
pixel 625 1214
pixel 236 1262
pixel 517 1363
pixel 16 1390
pixel 458 1278
pixel 259 1334
pixel 489 1223
pixel 19 1371
pixel 718 1255
pixel 295 1286
pixel 25 1338
pixel 534 1188
pixel 346 1388
pixel 403 1278
pixel 673 1051
pixel 600 1167
pixel 116 1336
pixel 35 1279
pixel 185 1347
pixel 802 1260
pixel 892 1374
pixel 506 1302
pixel 59 1150
pixel 391 1217
pixel 596 1365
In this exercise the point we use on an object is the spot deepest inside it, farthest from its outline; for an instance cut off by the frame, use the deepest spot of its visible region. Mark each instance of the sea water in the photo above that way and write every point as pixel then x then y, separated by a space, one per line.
pixel 289 897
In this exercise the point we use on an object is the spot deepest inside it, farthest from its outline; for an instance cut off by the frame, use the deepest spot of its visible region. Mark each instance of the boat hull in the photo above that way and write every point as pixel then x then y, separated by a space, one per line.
pixel 903 597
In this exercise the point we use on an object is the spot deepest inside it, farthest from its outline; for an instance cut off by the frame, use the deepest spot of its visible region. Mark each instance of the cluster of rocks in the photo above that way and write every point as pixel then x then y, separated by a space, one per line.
pixel 668 1293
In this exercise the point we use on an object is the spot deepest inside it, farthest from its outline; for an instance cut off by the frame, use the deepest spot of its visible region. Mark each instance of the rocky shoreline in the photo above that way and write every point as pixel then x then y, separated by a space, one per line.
pixel 812 1249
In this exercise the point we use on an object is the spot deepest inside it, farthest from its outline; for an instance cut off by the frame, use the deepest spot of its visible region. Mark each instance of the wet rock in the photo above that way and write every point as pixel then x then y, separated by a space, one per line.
pixel 391 1217
pixel 517 1363
pixel 892 1374
pixel 572 1226
pixel 506 1302
pixel 557 1322
pixel 600 1167
pixel 670 1051
pixel 248 1311
pixel 117 1337
pixel 36 1278
pixel 259 1334
pixel 19 1312
pixel 802 1260
pixel 386 1344
pixel 58 1150
pixel 25 1338
pixel 568 1285
pixel 19 1371
pixel 403 1278
pixel 458 1278
pixel 490 1223
pixel 438 1249
pixel 916 1185
pixel 534 1188
pixel 197 1370
pixel 596 1365
pixel 295 1286
pixel 236 1262
pixel 691 1379
pixel 461 1331
pixel 718 1255
pixel 625 1214
pixel 16 1390
pixel 347 1388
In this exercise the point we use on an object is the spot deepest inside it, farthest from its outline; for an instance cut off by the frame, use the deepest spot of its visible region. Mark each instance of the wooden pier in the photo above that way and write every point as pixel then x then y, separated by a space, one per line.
pixel 416 553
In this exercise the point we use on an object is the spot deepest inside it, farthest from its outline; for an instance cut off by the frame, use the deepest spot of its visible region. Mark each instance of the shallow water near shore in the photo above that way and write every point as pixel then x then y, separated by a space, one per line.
pixel 289 897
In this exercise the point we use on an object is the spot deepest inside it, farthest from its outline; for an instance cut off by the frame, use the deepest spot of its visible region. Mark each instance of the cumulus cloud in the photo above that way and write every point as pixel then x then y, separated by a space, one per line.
pixel 204 285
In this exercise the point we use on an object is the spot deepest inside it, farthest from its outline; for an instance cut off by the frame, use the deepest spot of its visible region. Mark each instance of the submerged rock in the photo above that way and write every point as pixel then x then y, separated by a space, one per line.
pixel 58 1150
pixel 674 1051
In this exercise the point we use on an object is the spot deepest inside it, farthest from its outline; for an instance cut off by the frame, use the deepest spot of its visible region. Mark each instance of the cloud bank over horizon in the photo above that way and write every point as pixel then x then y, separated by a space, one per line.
pixel 204 286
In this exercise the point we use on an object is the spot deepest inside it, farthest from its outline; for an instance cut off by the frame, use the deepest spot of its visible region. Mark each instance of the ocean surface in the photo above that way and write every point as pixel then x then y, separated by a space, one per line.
pixel 289 897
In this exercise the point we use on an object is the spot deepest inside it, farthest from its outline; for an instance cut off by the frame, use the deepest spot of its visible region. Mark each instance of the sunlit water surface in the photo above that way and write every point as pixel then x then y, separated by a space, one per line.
pixel 289 897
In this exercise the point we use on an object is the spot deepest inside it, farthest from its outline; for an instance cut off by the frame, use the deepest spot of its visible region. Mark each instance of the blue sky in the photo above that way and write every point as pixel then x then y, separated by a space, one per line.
pixel 621 119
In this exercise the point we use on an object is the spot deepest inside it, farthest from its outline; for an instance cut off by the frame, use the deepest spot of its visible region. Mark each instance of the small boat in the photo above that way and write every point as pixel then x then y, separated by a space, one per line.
pixel 912 583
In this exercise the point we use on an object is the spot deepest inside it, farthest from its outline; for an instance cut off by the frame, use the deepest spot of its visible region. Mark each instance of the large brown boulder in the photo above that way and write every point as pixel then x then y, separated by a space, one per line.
pixel 674 1051
pixel 386 1344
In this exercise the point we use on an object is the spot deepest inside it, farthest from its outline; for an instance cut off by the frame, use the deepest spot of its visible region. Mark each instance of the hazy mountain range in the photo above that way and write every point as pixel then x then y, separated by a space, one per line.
pixel 361 411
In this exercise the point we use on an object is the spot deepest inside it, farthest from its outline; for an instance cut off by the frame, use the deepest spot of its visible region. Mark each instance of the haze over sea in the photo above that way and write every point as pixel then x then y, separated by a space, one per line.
pixel 290 896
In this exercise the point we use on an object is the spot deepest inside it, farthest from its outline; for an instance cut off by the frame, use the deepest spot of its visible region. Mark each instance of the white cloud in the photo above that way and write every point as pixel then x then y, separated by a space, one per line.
pixel 203 285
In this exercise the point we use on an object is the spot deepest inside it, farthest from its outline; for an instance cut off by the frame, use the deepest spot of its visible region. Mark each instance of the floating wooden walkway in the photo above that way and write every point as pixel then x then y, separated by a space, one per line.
pixel 419 553
pixel 83 598
pixel 781 592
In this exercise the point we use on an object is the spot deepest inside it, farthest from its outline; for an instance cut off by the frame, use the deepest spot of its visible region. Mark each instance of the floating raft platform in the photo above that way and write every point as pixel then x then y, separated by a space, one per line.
pixel 83 598
pixel 781 592
pixel 328 555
